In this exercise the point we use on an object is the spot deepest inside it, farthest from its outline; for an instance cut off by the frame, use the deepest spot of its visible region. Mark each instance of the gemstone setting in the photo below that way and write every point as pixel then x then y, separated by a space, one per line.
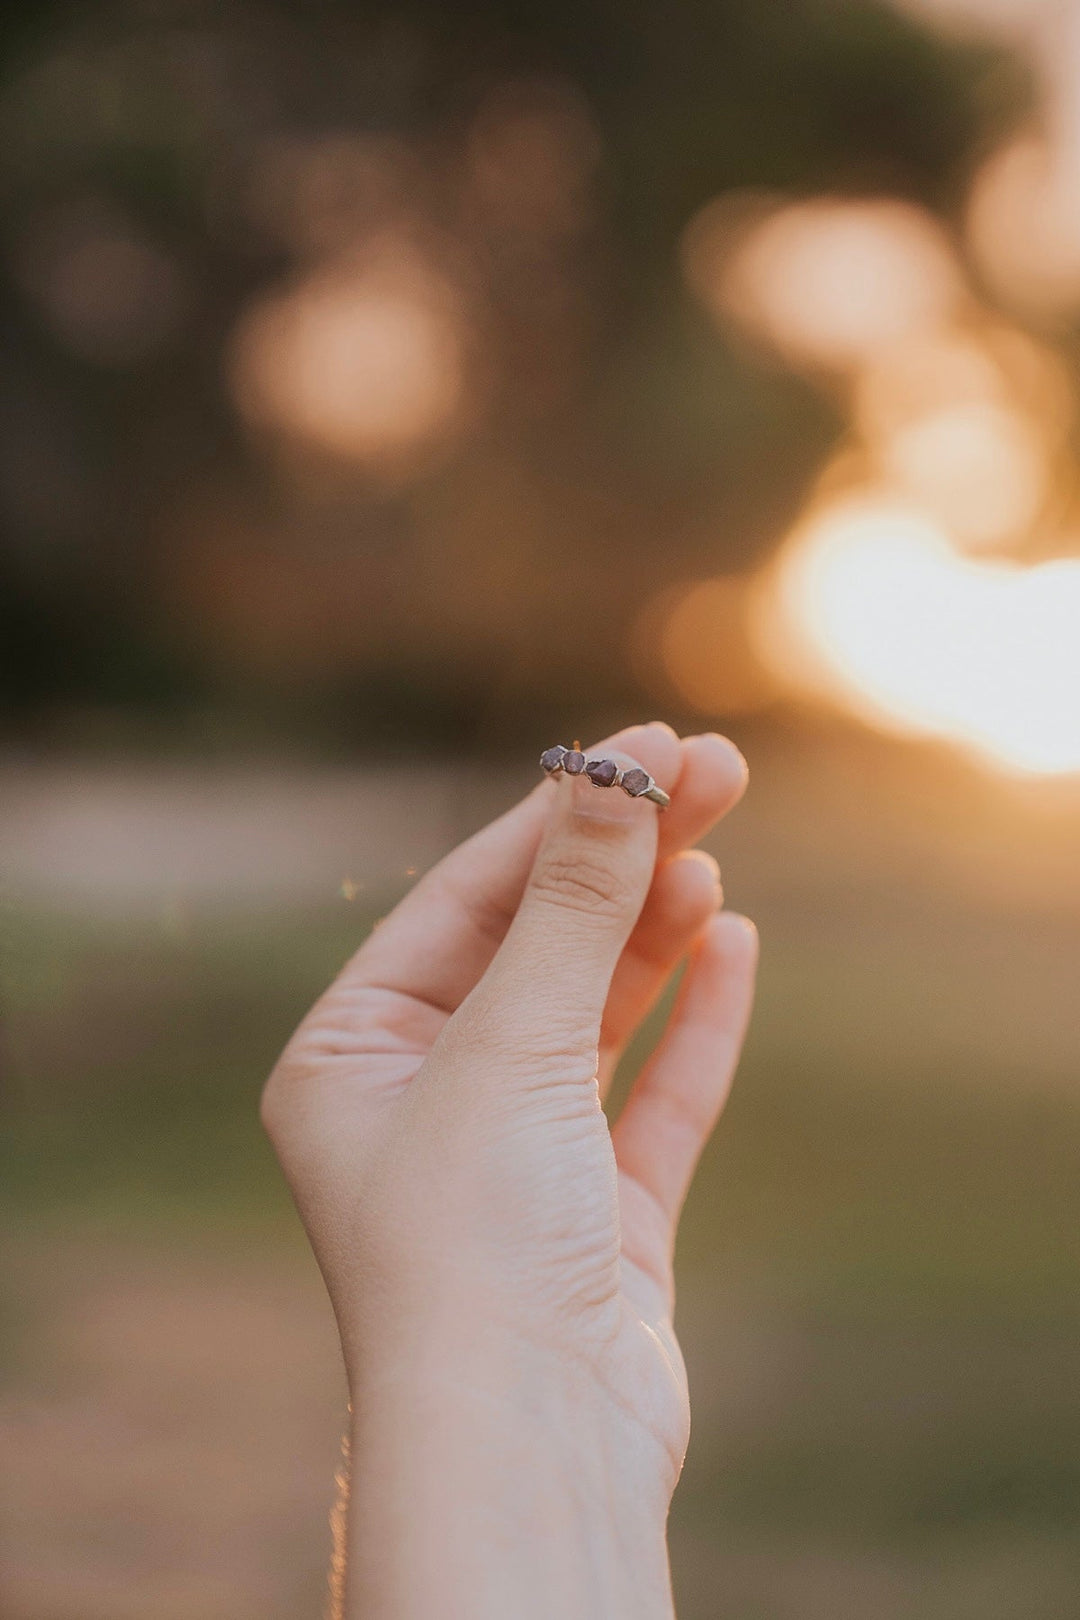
pixel 551 759
pixel 573 762
pixel 635 781
pixel 602 772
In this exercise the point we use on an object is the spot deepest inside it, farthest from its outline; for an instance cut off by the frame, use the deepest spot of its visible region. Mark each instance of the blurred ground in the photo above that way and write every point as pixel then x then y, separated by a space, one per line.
pixel 879 1264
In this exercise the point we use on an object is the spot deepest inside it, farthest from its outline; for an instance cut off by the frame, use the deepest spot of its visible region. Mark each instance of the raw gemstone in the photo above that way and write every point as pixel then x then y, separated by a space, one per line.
pixel 636 781
pixel 573 762
pixel 551 759
pixel 602 771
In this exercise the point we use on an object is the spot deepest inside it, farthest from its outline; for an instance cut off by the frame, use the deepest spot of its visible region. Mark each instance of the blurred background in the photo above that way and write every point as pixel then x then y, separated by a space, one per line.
pixel 390 391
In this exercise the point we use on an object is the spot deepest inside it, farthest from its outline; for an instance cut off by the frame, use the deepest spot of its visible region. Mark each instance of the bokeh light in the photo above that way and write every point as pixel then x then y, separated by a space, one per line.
pixel 108 293
pixel 872 604
pixel 959 446
pixel 533 149
pixel 319 194
pixel 1023 225
pixel 979 468
pixel 365 362
pixel 991 364
pixel 829 283
pixel 701 632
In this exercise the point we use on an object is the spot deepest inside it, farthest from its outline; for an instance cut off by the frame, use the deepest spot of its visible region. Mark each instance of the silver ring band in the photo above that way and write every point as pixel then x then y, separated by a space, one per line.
pixel 603 773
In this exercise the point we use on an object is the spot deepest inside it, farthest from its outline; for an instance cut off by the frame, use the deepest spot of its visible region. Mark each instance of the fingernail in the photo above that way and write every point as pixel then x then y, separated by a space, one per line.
pixel 706 859
pixel 729 747
pixel 735 922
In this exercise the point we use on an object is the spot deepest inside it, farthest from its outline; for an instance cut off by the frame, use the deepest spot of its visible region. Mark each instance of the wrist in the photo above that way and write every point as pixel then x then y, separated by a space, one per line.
pixel 491 1477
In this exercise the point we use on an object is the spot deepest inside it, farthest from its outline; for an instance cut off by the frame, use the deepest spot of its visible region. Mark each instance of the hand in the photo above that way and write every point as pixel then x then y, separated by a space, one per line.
pixel 498 1260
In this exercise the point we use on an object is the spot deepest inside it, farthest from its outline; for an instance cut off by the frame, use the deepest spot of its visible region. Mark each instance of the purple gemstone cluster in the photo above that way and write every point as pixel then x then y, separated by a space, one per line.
pixel 601 772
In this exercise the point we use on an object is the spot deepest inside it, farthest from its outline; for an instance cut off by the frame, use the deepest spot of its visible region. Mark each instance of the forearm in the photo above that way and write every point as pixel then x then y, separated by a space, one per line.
pixel 486 1485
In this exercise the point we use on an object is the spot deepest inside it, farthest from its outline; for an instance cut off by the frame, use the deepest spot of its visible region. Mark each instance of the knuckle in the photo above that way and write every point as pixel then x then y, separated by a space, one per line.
pixel 583 884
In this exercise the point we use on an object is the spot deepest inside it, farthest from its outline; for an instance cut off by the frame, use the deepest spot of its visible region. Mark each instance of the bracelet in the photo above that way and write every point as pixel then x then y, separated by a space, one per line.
pixel 603 773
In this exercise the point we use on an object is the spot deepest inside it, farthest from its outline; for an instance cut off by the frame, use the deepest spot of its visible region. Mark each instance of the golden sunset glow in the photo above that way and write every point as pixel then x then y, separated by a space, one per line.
pixel 988 364
pixel 905 594
pixel 978 468
pixel 871 604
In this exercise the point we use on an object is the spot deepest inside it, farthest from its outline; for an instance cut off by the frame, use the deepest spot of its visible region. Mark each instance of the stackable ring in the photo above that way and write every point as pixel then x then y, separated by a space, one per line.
pixel 603 773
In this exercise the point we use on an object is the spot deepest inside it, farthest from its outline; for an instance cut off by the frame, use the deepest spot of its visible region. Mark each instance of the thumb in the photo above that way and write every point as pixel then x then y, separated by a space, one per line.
pixel 543 994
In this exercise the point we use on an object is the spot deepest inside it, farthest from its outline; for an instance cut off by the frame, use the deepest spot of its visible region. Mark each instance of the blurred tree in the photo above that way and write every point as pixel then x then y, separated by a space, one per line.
pixel 224 485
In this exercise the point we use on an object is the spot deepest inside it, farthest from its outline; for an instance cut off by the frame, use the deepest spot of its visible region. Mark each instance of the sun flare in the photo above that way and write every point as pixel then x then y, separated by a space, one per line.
pixel 871 602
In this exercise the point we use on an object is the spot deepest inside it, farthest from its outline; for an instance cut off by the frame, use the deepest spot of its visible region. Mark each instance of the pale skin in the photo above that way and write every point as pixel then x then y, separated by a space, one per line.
pixel 499 1260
